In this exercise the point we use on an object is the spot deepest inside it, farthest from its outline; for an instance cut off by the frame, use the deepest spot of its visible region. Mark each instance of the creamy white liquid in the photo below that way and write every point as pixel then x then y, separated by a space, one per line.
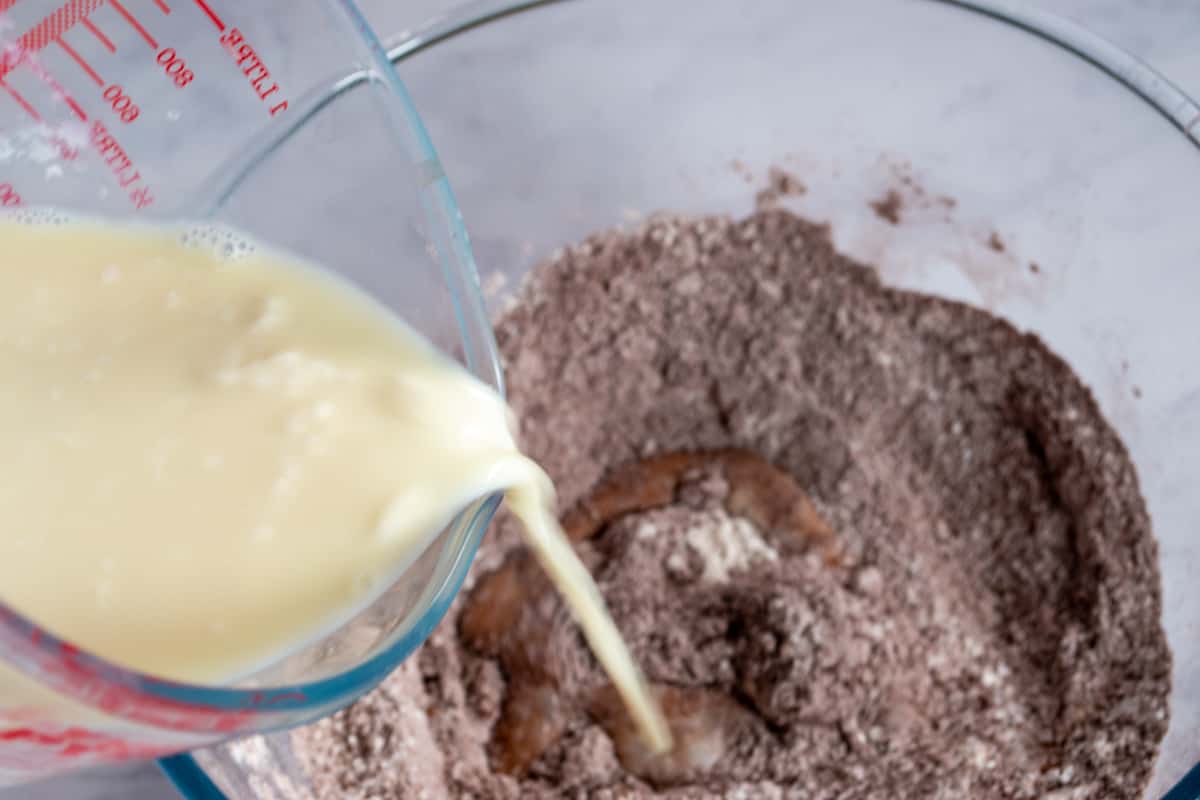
pixel 207 461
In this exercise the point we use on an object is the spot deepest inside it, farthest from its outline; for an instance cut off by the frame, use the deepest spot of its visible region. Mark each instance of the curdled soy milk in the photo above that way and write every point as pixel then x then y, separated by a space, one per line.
pixel 207 463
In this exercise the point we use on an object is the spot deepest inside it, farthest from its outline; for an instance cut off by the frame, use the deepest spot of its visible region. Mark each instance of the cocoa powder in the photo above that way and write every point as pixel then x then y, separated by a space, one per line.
pixel 865 543
pixel 889 207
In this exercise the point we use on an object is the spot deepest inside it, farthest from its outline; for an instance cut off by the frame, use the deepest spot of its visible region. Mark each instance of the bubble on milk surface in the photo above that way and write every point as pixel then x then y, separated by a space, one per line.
pixel 224 243
pixel 37 215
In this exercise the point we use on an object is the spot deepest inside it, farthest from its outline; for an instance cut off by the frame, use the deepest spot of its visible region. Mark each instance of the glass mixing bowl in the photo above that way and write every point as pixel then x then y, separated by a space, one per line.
pixel 570 117
pixel 217 111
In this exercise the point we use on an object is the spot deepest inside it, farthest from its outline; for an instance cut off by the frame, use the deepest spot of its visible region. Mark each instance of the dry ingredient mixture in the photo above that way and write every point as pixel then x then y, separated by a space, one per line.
pixel 864 542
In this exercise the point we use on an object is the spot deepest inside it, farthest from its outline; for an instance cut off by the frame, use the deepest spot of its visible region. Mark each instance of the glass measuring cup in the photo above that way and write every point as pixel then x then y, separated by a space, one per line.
pixel 210 110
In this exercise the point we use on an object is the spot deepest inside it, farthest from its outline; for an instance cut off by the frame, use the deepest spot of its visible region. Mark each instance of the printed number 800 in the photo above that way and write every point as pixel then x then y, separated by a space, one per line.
pixel 175 67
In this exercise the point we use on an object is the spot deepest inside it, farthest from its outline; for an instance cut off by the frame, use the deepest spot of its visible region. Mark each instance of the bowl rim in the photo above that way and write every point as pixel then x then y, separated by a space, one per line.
pixel 1152 86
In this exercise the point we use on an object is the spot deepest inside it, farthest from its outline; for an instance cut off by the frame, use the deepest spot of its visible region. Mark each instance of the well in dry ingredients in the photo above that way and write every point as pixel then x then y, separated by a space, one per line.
pixel 865 543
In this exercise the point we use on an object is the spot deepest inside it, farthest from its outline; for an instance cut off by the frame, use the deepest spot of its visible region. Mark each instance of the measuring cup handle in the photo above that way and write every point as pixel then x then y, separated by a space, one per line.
pixel 191 781
pixel 1188 788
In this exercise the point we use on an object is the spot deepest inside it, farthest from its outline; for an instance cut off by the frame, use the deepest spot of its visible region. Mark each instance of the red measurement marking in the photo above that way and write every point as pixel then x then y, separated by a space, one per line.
pixel 11 57
pixel 132 20
pixel 166 9
pixel 5 5
pixel 122 166
pixel 76 742
pixel 56 88
pixel 9 196
pixel 247 58
pixel 207 9
pixel 21 101
pixel 61 20
pixel 79 112
pixel 175 67
pixel 66 150
pixel 121 103
pixel 99 34
pixel 78 59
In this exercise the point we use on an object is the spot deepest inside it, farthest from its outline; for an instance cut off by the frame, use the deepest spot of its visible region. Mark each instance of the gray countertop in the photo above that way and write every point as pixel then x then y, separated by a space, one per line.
pixel 1162 32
